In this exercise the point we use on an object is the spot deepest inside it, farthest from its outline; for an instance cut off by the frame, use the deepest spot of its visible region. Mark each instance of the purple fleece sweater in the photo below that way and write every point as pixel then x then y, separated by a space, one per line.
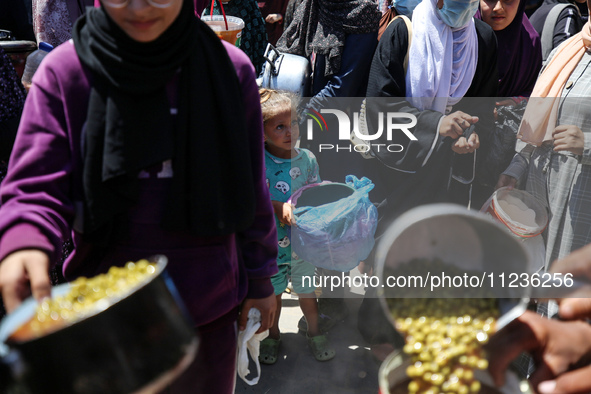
pixel 41 198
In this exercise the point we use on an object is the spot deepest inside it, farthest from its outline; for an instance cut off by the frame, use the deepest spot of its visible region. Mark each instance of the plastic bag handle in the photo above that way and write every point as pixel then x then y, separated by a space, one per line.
pixel 363 185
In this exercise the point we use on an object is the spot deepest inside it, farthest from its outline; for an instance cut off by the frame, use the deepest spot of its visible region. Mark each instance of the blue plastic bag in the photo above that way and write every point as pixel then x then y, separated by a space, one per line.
pixel 340 234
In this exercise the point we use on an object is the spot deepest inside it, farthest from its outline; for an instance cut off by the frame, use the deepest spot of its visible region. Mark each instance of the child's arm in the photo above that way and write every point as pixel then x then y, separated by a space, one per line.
pixel 283 211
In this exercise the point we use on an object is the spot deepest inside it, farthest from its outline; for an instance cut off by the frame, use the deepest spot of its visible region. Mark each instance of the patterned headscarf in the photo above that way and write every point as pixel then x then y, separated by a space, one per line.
pixel 254 35
pixel 53 19
pixel 320 26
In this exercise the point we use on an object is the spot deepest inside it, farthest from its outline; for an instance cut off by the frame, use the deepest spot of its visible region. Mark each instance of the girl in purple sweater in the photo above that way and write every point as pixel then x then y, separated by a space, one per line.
pixel 141 136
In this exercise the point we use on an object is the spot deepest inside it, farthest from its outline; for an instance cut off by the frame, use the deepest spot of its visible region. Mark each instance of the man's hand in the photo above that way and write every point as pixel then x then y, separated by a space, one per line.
pixel 454 124
pixel 23 273
pixel 267 308
pixel 568 138
pixel 578 263
pixel 557 347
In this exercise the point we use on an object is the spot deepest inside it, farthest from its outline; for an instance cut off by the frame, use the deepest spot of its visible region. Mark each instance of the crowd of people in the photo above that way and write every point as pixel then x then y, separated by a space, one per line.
pixel 143 134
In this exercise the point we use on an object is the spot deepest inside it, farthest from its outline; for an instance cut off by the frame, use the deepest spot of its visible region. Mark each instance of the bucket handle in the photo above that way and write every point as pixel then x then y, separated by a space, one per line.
pixel 274 61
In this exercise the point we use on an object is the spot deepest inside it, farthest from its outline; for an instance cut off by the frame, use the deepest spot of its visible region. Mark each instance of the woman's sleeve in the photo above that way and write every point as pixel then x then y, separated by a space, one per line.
pixel 567 25
pixel 35 201
pixel 258 244
pixel 520 163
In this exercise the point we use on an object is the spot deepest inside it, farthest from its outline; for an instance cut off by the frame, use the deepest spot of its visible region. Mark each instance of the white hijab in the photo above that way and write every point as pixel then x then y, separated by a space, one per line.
pixel 442 60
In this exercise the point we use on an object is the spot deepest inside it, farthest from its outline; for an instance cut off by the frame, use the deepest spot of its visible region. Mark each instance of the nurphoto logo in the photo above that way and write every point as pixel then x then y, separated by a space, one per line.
pixel 358 132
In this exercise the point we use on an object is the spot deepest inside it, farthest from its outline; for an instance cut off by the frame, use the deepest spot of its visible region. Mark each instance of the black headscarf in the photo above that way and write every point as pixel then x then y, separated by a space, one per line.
pixel 520 55
pixel 320 26
pixel 129 126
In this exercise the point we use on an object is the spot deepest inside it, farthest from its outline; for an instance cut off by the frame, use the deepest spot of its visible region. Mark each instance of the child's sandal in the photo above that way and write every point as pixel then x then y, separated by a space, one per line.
pixel 320 348
pixel 269 350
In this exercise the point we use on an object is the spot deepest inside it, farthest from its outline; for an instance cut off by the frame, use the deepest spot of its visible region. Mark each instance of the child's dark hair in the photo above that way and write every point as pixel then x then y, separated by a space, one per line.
pixel 275 101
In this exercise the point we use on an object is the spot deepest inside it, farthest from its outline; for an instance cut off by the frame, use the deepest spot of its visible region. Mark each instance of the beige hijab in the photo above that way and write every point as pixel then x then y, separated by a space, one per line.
pixel 541 114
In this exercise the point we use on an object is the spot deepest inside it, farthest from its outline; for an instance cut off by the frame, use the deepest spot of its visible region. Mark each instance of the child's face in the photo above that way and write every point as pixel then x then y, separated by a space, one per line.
pixel 499 13
pixel 281 134
pixel 141 21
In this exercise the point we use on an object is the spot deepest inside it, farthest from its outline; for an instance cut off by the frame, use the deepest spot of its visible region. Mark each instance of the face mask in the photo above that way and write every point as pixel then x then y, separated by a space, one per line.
pixel 406 7
pixel 456 13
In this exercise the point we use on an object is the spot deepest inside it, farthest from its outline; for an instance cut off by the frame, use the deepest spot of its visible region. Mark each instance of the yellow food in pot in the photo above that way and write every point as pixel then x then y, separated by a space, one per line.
pixel 444 336
pixel 85 297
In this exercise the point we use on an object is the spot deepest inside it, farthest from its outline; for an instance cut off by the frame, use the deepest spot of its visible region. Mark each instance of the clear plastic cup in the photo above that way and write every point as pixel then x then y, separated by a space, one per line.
pixel 234 31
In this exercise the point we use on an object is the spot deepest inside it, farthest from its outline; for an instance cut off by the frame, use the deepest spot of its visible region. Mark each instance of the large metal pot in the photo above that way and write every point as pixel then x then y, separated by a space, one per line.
pixel 138 344
pixel 284 71
pixel 469 241
pixel 17 50
pixel 393 380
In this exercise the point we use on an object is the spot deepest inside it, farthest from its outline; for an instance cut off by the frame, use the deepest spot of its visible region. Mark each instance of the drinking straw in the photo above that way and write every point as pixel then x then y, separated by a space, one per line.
pixel 223 12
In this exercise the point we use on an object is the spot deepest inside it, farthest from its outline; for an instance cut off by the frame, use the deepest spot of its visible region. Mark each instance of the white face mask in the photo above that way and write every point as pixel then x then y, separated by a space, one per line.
pixel 457 13
pixel 406 7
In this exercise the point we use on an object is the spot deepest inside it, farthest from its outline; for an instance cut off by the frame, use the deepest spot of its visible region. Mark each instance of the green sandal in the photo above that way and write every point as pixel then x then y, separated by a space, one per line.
pixel 320 347
pixel 269 351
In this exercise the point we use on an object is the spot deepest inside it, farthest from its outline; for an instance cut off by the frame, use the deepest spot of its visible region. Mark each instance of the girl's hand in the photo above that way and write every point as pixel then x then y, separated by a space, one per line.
pixel 568 138
pixel 23 273
pixel 284 212
pixel 266 306
pixel 454 124
pixel 462 145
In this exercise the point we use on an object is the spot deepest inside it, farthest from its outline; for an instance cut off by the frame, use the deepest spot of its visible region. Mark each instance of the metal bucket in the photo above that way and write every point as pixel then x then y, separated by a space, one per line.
pixel 284 71
pixel 139 344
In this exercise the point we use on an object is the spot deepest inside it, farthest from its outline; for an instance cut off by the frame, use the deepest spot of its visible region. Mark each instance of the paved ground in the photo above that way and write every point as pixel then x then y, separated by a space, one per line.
pixel 352 371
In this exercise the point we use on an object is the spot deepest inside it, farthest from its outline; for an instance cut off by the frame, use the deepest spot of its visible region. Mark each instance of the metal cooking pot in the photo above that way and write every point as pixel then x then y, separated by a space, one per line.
pixel 468 240
pixel 284 71
pixel 139 344
pixel 393 379
pixel 17 50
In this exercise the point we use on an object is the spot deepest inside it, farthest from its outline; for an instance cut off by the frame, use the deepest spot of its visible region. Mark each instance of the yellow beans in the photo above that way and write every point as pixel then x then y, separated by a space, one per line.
pixel 444 336
pixel 86 296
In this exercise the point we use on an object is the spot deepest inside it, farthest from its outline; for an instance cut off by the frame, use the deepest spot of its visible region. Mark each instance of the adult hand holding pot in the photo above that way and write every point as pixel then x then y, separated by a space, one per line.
pixel 562 350
pixel 23 273
pixel 118 332
pixel 578 263
pixel 558 349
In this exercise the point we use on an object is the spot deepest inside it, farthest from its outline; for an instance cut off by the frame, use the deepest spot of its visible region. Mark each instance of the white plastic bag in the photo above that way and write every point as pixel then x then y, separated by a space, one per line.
pixel 249 342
